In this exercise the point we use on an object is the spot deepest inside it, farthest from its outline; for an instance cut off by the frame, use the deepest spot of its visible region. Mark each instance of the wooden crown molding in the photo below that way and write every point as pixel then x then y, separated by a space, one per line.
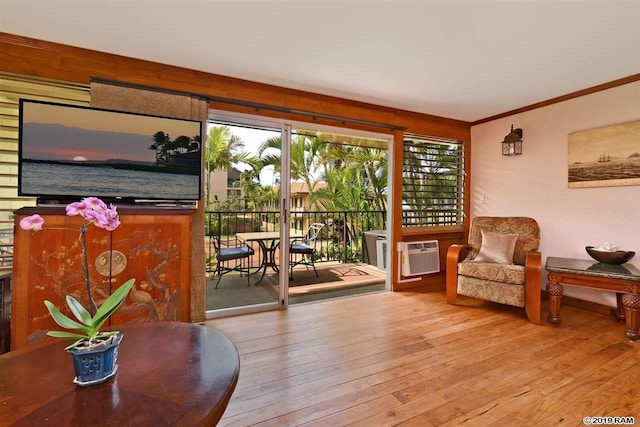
pixel 577 94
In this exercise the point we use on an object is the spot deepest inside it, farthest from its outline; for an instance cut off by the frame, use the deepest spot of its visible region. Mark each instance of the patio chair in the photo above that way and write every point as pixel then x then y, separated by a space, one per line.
pixel 239 254
pixel 305 247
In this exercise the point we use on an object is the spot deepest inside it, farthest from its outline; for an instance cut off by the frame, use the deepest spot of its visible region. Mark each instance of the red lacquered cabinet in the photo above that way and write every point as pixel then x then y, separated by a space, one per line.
pixel 152 245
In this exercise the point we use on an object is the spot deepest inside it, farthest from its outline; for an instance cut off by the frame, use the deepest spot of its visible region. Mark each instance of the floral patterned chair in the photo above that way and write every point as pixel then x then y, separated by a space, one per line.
pixel 500 264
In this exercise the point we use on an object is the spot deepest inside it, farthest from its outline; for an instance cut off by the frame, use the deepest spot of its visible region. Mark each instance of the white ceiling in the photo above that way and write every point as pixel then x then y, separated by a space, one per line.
pixel 466 60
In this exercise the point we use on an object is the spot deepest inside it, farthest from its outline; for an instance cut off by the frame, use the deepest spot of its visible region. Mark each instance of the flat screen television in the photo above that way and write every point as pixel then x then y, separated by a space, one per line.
pixel 70 152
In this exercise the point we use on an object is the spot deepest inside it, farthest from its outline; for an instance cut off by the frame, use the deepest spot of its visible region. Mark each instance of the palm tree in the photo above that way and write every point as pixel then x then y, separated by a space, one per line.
pixel 304 157
pixel 369 167
pixel 217 153
pixel 355 174
pixel 250 186
pixel 273 143
pixel 181 143
pixel 223 150
pixel 268 197
pixel 431 177
pixel 344 192
pixel 160 144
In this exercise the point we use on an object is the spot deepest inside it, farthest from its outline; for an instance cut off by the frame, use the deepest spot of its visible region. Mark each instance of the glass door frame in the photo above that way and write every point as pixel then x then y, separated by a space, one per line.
pixel 285 212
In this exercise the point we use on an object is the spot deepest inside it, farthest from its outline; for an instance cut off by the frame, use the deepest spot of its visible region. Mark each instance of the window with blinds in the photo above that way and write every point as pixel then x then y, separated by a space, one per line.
pixel 12 88
pixel 432 182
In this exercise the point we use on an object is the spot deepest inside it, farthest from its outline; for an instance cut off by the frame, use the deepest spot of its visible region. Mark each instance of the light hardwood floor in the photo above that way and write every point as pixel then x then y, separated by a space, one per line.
pixel 410 359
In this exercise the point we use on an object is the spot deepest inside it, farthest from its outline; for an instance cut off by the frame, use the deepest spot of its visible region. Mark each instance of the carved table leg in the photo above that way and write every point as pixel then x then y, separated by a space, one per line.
pixel 631 303
pixel 554 290
pixel 618 313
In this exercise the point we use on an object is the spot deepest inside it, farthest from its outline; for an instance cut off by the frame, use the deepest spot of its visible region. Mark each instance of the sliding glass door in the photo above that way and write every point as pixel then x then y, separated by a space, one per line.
pixel 293 215
pixel 338 205
pixel 243 216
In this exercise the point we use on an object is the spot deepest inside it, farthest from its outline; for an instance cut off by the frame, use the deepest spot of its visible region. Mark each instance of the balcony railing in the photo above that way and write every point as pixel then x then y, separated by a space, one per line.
pixel 340 240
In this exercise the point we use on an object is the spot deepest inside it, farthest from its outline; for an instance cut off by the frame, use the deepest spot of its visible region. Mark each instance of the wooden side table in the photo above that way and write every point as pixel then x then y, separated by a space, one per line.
pixel 170 374
pixel 624 280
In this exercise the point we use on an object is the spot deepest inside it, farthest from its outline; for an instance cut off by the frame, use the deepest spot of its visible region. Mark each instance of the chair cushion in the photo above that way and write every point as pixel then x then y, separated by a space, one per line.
pixel 226 254
pixel 301 248
pixel 497 247
pixel 511 273
pixel 503 293
pixel 527 230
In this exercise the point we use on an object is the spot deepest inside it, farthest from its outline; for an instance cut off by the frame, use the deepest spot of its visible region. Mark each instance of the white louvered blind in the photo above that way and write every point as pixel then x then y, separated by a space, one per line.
pixel 12 88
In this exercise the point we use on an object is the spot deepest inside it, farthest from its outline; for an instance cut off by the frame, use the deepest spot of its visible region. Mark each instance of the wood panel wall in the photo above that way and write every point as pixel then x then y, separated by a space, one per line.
pixel 26 56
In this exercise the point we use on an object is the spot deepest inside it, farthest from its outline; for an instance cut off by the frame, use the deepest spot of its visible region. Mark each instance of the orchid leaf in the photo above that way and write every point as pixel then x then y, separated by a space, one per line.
pixel 63 334
pixel 79 311
pixel 63 320
pixel 111 304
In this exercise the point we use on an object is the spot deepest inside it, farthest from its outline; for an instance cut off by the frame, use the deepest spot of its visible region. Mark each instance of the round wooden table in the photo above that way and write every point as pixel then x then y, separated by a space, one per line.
pixel 170 374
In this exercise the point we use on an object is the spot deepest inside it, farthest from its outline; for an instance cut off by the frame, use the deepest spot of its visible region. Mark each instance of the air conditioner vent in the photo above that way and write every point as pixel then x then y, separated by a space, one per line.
pixel 419 257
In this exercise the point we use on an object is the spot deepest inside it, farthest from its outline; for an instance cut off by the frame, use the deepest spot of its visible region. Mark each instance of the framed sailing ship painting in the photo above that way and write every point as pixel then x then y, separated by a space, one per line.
pixel 605 157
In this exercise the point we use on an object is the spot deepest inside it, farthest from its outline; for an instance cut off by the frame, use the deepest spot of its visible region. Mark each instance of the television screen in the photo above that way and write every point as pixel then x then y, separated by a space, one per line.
pixel 68 151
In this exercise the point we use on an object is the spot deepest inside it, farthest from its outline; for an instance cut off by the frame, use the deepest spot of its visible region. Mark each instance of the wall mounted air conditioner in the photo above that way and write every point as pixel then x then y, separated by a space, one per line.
pixel 381 253
pixel 419 257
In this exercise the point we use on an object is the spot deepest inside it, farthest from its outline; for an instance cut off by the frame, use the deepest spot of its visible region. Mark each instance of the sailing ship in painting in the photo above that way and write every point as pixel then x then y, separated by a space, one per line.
pixel 604 158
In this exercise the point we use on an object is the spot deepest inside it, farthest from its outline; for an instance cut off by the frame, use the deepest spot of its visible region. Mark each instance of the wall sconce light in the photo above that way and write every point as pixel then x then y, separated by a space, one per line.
pixel 512 144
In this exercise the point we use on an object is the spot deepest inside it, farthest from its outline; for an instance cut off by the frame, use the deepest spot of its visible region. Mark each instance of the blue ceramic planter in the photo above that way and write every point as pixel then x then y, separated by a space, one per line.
pixel 95 366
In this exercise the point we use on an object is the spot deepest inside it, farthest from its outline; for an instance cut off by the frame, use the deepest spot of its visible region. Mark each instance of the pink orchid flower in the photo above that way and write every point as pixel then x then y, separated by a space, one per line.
pixel 33 222
pixel 77 208
pixel 94 217
pixel 113 219
pixel 95 211
pixel 95 204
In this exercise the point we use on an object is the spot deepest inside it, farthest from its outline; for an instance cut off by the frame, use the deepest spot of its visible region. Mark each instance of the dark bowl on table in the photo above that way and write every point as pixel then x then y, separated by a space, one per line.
pixel 607 257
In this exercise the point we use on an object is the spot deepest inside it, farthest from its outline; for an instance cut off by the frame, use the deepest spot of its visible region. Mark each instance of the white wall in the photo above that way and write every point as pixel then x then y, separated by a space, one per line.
pixel 535 183
pixel 218 184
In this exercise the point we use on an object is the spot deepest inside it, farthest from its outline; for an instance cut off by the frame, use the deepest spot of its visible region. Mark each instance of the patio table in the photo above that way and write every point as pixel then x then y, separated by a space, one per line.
pixel 268 242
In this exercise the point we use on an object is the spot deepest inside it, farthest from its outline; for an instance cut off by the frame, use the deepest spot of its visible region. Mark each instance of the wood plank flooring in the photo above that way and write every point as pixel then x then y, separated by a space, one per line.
pixel 410 359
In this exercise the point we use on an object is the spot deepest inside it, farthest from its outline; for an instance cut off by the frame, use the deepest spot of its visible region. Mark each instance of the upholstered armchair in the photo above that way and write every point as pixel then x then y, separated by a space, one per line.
pixel 500 264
